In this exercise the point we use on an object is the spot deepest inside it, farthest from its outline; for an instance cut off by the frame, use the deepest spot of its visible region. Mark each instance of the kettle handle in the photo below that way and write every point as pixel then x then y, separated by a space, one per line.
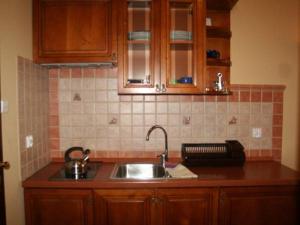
pixel 70 150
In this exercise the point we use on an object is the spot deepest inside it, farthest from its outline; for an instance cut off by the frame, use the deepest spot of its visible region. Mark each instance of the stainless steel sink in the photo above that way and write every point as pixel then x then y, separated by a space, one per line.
pixel 142 171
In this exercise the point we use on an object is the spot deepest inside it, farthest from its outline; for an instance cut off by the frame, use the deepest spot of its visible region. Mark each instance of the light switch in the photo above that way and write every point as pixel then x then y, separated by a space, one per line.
pixel 29 141
pixel 4 106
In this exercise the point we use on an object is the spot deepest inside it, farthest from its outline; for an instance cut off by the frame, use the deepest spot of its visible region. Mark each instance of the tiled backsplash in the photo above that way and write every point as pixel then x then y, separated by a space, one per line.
pixel 33 115
pixel 86 110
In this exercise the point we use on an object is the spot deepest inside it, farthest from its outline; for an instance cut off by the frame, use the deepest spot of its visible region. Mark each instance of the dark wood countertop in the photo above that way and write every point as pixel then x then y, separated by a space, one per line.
pixel 251 174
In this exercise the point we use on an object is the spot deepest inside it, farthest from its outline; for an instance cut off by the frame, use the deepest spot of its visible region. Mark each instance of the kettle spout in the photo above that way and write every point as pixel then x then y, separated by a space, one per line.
pixel 85 156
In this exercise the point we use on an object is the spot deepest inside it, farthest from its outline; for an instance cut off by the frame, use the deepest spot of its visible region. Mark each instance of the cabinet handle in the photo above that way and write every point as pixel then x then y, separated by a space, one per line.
pixel 157 88
pixel 114 56
pixel 163 88
pixel 155 200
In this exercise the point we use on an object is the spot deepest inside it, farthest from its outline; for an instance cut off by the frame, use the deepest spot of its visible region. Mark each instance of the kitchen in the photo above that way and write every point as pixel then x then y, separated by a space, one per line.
pixel 264 50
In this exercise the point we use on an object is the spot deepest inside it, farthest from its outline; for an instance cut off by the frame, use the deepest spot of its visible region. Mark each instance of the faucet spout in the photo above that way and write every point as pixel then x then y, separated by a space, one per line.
pixel 164 155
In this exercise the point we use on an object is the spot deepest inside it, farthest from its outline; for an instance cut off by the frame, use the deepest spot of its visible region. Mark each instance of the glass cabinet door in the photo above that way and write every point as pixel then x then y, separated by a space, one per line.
pixel 181 43
pixel 139 44
pixel 184 46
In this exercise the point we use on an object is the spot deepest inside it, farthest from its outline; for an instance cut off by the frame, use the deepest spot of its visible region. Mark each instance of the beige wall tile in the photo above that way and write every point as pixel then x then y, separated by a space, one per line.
pixel 233 108
pixel 89 108
pixel 112 84
pixel 174 120
pixel 101 96
pixel 101 144
pixel 210 107
pixel 137 120
pixel 267 108
pixel 255 108
pixel 149 107
pixel 138 132
pixel 185 107
pixel 210 119
pixel 125 120
pixel 88 84
pixel 173 107
pixel 64 84
pixel 88 96
pixel 244 107
pixel 173 132
pixel 197 107
pixel 221 107
pixel 102 132
pixel 125 107
pixel 76 83
pixel 113 132
pixel 162 119
pixel 150 119
pixel 101 83
pixel 137 107
pixel 126 132
pixel 114 107
pixel 161 107
pixel 101 119
pixel 101 107
pixel 65 96
pixel 112 96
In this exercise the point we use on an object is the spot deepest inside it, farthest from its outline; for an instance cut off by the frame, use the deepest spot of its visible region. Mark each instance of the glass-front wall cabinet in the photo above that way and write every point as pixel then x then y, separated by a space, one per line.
pixel 139 48
pixel 162 47
pixel 180 46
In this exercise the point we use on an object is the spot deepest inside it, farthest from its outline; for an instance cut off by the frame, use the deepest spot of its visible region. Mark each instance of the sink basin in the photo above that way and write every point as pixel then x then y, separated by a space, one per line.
pixel 142 171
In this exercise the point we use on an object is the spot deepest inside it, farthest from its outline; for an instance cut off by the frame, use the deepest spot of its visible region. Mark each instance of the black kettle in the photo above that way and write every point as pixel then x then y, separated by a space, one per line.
pixel 76 167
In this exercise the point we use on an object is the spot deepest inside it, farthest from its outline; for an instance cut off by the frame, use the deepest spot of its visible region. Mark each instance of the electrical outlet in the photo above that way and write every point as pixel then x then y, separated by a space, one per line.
pixel 29 141
pixel 256 132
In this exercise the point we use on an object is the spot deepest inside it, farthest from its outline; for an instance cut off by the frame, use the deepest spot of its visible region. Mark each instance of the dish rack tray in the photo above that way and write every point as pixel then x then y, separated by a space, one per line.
pixel 230 153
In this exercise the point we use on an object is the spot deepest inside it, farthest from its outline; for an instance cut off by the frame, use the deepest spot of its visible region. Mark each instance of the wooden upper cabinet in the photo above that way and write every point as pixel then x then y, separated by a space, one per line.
pixel 74 31
pixel 161 46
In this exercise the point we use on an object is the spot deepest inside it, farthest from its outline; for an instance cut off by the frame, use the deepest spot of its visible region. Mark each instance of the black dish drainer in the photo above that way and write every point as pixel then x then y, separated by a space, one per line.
pixel 230 153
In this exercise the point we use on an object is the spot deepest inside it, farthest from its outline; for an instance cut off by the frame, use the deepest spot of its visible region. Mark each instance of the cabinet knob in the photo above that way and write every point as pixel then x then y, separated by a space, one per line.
pixel 163 88
pixel 157 88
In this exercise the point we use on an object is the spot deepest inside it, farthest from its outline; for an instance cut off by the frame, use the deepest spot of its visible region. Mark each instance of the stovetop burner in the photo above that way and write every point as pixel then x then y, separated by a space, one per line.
pixel 92 169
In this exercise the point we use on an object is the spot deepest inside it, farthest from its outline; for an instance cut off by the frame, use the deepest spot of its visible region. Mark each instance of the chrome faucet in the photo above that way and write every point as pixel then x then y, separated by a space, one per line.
pixel 164 155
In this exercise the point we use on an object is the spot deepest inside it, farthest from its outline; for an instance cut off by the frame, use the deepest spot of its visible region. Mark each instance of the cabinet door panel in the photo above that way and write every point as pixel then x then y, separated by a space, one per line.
pixel 74 31
pixel 60 207
pixel 189 206
pixel 260 206
pixel 122 207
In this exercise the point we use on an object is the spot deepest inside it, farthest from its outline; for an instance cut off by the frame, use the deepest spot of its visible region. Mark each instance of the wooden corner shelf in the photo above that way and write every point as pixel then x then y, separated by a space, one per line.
pixel 217 32
pixel 220 4
pixel 218 62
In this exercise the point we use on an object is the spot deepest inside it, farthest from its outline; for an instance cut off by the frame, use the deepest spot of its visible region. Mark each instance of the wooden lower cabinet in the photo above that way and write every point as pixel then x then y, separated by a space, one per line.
pixel 122 207
pixel 260 206
pixel 58 206
pixel 265 205
pixel 197 206
pixel 156 207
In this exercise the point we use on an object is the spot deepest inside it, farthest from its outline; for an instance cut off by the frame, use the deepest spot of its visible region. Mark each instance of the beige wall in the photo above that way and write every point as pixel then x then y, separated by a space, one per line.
pixel 264 50
pixel 15 39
